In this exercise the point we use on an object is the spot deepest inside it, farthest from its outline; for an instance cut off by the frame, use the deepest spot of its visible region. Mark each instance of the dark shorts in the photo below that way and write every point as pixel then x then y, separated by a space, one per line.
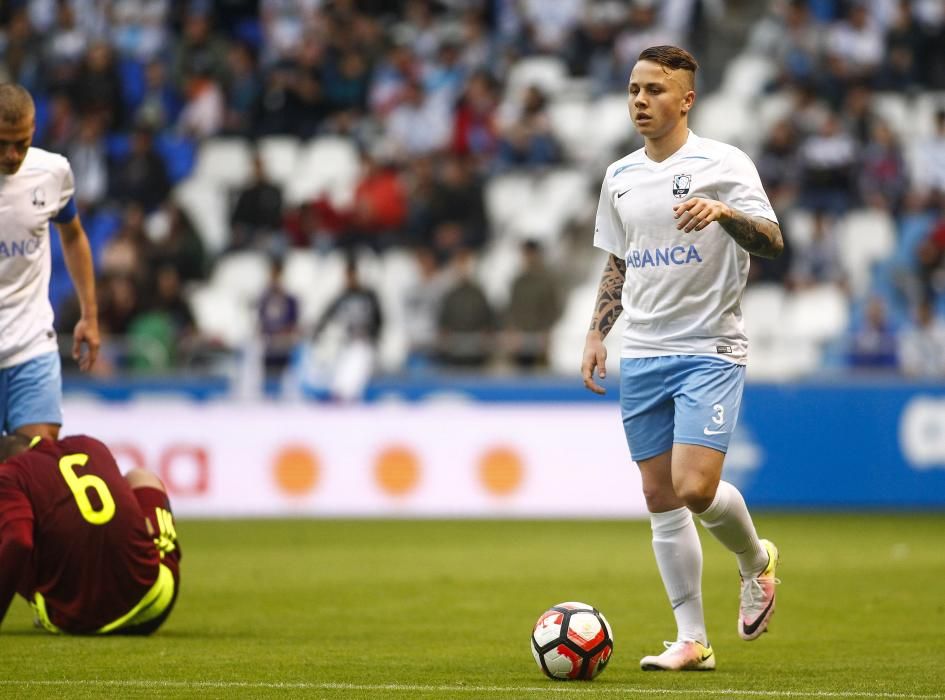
pixel 157 511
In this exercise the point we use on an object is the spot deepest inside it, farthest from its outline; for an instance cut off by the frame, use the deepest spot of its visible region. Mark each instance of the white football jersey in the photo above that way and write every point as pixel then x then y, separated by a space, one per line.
pixel 683 291
pixel 28 200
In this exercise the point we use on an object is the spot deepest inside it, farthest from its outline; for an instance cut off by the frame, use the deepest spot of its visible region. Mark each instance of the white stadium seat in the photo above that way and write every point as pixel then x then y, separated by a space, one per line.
pixel 763 309
pixel 769 110
pixel 497 268
pixel 280 156
pixel 314 278
pixel 894 109
pixel 327 166
pixel 243 274
pixel 548 73
pixel 798 227
pixel 726 118
pixel 206 203
pixel 505 197
pixel 820 313
pixel 219 315
pixel 747 74
pixel 569 124
pixel 608 125
pixel 227 161
pixel 922 114
pixel 567 337
pixel 866 236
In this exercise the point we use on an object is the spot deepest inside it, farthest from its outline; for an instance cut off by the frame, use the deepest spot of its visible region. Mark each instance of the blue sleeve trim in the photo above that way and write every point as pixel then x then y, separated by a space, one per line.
pixel 67 213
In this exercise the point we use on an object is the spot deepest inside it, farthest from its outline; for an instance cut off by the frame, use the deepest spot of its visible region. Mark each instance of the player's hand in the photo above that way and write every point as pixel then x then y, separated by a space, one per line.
pixel 697 213
pixel 595 356
pixel 86 333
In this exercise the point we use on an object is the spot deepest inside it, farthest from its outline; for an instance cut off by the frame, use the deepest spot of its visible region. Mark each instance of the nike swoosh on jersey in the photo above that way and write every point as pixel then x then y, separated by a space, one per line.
pixel 621 194
pixel 712 432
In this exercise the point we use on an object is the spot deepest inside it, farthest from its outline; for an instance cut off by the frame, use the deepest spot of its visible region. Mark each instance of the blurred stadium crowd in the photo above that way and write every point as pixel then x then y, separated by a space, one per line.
pixel 415 180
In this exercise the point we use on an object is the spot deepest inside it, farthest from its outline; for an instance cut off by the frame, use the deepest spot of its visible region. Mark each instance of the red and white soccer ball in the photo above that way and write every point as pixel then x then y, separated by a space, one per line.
pixel 572 641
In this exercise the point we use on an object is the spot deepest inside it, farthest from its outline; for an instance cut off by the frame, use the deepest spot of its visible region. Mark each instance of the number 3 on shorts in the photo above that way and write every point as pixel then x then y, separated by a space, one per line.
pixel 80 486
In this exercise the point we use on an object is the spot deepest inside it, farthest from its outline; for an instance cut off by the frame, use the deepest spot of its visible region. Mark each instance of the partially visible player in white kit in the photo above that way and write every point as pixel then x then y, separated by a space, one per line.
pixel 679 218
pixel 36 187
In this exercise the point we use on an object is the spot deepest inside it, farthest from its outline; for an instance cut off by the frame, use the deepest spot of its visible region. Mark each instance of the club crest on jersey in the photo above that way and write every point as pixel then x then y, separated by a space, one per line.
pixel 39 197
pixel 681 185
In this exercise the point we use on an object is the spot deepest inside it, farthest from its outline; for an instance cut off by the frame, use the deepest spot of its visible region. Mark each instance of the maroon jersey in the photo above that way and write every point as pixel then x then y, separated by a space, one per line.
pixel 92 557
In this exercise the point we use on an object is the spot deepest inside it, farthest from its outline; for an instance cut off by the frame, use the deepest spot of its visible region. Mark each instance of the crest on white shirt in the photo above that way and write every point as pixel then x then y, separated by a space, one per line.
pixel 681 185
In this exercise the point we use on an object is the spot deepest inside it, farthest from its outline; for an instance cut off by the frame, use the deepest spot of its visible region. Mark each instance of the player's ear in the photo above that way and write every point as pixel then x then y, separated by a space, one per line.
pixel 688 100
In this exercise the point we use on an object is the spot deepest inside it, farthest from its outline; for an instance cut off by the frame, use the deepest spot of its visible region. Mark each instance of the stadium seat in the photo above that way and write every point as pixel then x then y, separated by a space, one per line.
pixel 866 237
pixel 314 278
pixel 819 314
pixel 280 155
pixel 398 272
pixel 219 315
pixel 548 73
pixel 566 191
pixel 505 197
pixel 327 166
pixel 608 126
pixel 763 309
pixel 798 227
pixel 893 108
pixel 746 75
pixel 726 118
pixel 178 153
pixel 569 124
pixel 226 161
pixel 497 268
pixel 207 204
pixel 567 337
pixel 782 361
pixel 770 110
pixel 243 275
pixel 922 115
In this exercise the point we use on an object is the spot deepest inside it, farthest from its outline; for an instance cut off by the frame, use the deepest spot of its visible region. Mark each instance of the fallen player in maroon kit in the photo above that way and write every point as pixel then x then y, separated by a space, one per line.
pixel 93 552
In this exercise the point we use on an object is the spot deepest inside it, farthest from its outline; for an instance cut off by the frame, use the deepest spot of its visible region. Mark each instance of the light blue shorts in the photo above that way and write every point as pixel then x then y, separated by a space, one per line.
pixel 691 399
pixel 31 392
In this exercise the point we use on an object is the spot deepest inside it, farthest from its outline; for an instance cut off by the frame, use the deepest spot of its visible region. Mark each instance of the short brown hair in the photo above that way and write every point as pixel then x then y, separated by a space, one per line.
pixel 16 104
pixel 671 57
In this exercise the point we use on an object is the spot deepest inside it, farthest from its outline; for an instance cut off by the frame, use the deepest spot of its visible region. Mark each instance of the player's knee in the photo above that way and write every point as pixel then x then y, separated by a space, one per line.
pixel 659 498
pixel 696 494
pixel 142 478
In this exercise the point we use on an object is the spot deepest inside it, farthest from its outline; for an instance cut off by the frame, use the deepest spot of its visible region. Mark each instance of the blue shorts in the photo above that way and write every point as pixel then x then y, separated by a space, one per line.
pixel 31 392
pixel 691 399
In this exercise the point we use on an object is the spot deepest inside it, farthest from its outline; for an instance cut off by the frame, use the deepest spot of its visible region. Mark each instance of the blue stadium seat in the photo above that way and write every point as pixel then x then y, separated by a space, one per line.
pixel 179 154
pixel 133 81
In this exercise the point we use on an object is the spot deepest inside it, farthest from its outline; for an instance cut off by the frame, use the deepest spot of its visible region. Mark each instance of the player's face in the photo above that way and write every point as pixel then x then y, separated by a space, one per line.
pixel 658 98
pixel 15 140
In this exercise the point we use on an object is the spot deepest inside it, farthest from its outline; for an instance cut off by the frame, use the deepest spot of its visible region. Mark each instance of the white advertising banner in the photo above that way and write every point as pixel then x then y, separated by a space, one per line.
pixel 410 460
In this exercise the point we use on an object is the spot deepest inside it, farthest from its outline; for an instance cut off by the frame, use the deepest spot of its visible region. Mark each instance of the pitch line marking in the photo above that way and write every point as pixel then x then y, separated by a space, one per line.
pixel 409 688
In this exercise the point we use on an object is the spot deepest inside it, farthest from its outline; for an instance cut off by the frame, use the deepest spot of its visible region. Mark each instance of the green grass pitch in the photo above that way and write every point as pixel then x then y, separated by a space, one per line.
pixel 443 609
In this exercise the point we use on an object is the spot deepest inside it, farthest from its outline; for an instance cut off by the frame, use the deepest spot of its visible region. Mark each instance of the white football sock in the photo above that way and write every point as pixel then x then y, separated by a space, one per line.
pixel 679 558
pixel 730 523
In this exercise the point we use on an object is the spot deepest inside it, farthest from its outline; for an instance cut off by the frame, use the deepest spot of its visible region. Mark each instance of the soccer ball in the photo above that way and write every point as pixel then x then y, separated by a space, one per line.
pixel 572 641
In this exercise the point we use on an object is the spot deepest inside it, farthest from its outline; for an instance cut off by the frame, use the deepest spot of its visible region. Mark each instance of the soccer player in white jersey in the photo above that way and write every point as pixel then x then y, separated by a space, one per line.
pixel 36 187
pixel 679 218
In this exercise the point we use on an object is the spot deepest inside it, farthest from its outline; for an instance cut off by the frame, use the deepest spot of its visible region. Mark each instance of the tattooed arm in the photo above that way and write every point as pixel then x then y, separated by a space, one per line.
pixel 606 311
pixel 753 233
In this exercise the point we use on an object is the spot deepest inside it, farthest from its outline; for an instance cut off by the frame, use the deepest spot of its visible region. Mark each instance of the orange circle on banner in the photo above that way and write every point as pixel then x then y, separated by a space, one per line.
pixel 501 471
pixel 296 470
pixel 397 470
